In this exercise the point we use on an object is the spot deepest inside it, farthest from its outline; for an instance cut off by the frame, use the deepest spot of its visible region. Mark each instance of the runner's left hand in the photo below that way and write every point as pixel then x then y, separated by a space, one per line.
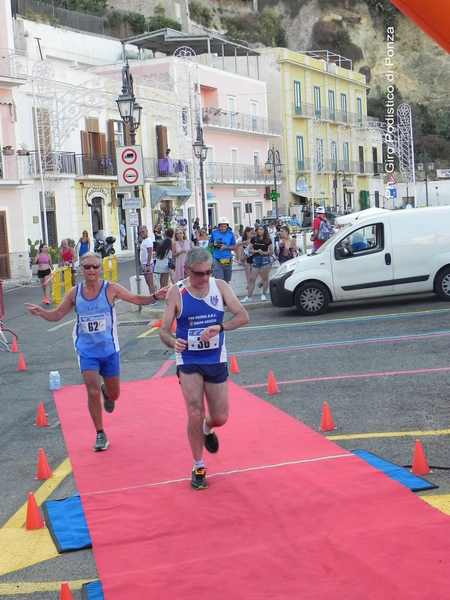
pixel 210 332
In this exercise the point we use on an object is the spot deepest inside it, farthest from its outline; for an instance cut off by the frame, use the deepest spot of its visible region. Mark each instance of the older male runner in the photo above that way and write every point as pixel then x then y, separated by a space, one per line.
pixel 198 304
pixel 95 336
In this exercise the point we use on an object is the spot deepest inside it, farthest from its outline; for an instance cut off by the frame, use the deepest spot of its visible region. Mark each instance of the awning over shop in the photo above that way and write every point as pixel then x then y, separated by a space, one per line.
pixel 159 192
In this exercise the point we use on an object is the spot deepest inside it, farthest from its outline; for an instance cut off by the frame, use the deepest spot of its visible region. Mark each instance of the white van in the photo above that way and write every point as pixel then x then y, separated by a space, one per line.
pixel 381 254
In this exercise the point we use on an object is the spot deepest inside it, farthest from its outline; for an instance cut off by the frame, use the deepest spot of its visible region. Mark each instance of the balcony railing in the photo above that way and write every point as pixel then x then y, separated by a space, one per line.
pixel 309 111
pixel 15 168
pixel 304 110
pixel 328 165
pixel 231 173
pixel 219 117
pixel 175 168
pixel 12 66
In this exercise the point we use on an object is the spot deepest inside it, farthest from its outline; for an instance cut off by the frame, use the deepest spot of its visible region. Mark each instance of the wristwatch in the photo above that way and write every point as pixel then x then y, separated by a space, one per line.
pixel 221 328
pixel 154 297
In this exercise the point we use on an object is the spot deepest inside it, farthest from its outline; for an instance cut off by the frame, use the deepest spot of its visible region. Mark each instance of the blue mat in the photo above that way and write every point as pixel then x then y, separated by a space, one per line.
pixel 67 524
pixel 400 474
pixel 92 591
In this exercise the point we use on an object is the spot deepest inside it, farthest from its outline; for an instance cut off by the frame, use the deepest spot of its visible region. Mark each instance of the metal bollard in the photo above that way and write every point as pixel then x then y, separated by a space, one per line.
pixel 67 278
pixel 114 269
pixel 57 286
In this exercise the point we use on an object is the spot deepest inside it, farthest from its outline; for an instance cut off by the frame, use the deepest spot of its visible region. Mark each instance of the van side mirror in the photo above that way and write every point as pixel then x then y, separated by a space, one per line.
pixel 341 252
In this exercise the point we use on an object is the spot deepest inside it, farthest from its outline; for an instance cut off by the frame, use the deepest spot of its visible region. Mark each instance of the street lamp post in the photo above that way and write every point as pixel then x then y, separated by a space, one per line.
pixel 201 152
pixel 273 164
pixel 130 113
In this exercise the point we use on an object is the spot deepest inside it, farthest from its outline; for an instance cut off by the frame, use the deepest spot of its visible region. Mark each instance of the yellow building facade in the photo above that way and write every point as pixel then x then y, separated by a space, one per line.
pixel 331 151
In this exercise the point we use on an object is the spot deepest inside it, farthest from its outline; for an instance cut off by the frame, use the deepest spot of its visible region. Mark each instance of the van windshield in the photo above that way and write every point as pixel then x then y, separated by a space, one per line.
pixel 325 245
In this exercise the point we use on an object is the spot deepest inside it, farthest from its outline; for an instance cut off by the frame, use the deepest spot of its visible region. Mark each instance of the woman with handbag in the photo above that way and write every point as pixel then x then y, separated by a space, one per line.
pixel 180 247
pixel 164 262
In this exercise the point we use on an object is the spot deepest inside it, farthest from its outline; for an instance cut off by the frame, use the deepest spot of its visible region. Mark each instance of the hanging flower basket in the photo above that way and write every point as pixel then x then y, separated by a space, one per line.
pixel 8 150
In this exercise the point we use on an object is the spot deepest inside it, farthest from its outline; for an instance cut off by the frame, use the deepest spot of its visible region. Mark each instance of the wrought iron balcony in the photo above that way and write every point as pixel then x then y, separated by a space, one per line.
pixel 172 168
pixel 237 121
pixel 13 68
pixel 15 168
pixel 233 173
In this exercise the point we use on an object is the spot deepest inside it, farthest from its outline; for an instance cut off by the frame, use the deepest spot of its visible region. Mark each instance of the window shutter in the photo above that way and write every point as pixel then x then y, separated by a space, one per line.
pixel 161 140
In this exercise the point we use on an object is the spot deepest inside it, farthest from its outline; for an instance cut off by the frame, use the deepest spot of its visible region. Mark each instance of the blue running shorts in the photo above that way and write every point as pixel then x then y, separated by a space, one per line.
pixel 216 373
pixel 107 366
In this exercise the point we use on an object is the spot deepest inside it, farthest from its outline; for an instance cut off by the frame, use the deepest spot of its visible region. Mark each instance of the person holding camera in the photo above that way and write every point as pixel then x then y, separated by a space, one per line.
pixel 223 242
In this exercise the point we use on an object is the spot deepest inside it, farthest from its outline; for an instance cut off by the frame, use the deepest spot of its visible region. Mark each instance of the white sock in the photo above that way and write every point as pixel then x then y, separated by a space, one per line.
pixel 206 429
pixel 199 464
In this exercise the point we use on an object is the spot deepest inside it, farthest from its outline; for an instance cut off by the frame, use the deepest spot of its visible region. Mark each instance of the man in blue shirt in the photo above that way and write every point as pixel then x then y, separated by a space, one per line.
pixel 223 242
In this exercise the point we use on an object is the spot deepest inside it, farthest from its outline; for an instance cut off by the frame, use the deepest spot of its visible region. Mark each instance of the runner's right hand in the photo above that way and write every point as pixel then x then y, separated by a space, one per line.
pixel 180 345
pixel 34 309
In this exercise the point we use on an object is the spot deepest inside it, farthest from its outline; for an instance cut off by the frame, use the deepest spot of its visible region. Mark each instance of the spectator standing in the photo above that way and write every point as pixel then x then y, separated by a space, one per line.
pixel 245 256
pixel 322 230
pixel 164 260
pixel 146 257
pixel 223 242
pixel 195 231
pixel 287 247
pixel 45 267
pixel 84 245
pixel 180 248
pixel 123 236
pixel 203 238
pixel 67 257
pixel 262 250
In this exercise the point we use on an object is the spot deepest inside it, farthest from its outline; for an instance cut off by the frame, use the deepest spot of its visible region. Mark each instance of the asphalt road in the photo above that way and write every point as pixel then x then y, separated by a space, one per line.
pixel 382 366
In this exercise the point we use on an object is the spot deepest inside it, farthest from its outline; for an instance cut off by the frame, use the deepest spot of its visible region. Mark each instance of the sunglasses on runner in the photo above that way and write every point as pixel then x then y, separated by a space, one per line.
pixel 91 267
pixel 202 273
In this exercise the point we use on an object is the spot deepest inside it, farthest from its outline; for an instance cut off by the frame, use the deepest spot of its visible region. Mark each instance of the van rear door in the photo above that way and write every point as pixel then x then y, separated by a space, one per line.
pixel 362 262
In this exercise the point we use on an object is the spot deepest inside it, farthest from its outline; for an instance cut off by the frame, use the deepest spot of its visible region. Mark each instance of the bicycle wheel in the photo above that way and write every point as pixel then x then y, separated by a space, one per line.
pixel 6 339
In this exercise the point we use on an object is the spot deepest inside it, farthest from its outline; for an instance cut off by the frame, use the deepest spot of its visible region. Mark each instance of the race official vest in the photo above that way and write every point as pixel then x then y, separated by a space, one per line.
pixel 196 314
pixel 95 330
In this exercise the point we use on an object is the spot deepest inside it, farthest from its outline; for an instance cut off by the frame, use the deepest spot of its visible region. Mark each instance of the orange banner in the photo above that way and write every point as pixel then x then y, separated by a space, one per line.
pixel 433 16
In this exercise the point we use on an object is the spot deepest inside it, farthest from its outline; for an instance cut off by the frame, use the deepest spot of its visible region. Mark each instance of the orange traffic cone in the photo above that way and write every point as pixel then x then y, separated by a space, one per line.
pixel 15 345
pixel 174 327
pixel 43 470
pixel 420 462
pixel 234 367
pixel 156 324
pixel 22 365
pixel 41 416
pixel 65 593
pixel 272 384
pixel 34 517
pixel 327 422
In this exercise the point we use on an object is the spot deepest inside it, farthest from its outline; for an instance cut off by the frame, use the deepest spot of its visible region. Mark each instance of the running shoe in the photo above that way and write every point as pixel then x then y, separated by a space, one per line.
pixel 263 298
pixel 245 299
pixel 108 404
pixel 101 442
pixel 199 478
pixel 211 442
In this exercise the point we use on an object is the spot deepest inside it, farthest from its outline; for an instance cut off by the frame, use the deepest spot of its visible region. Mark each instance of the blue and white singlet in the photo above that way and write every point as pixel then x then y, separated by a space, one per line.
pixel 196 314
pixel 95 330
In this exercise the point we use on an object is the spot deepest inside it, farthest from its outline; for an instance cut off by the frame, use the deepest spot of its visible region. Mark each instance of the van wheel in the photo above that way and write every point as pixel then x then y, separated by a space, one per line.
pixel 443 284
pixel 312 298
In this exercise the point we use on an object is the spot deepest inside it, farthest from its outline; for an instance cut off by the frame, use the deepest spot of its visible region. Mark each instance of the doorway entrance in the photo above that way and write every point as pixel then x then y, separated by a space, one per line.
pixel 97 217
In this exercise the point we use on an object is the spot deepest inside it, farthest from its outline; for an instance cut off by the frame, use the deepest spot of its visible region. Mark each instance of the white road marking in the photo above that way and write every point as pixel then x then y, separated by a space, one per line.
pixel 61 325
pixel 223 473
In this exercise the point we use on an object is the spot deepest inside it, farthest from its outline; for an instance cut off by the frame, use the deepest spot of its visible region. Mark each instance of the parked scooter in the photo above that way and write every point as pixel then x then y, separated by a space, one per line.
pixel 105 247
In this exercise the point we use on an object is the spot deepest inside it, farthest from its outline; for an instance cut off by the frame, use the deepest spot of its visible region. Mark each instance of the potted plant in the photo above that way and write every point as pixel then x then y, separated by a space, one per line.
pixel 8 150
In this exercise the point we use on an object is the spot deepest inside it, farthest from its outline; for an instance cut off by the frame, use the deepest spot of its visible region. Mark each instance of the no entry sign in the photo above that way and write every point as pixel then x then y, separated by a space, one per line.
pixel 130 171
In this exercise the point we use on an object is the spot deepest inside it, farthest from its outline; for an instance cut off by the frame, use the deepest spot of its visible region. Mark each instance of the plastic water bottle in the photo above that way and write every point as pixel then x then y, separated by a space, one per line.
pixel 54 380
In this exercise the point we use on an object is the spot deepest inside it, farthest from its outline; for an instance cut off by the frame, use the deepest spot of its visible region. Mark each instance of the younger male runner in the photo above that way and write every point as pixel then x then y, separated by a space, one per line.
pixel 198 303
pixel 95 335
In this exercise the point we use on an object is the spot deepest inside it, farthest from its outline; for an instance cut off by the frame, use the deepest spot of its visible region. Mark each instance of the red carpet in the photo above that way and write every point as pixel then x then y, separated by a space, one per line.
pixel 319 529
